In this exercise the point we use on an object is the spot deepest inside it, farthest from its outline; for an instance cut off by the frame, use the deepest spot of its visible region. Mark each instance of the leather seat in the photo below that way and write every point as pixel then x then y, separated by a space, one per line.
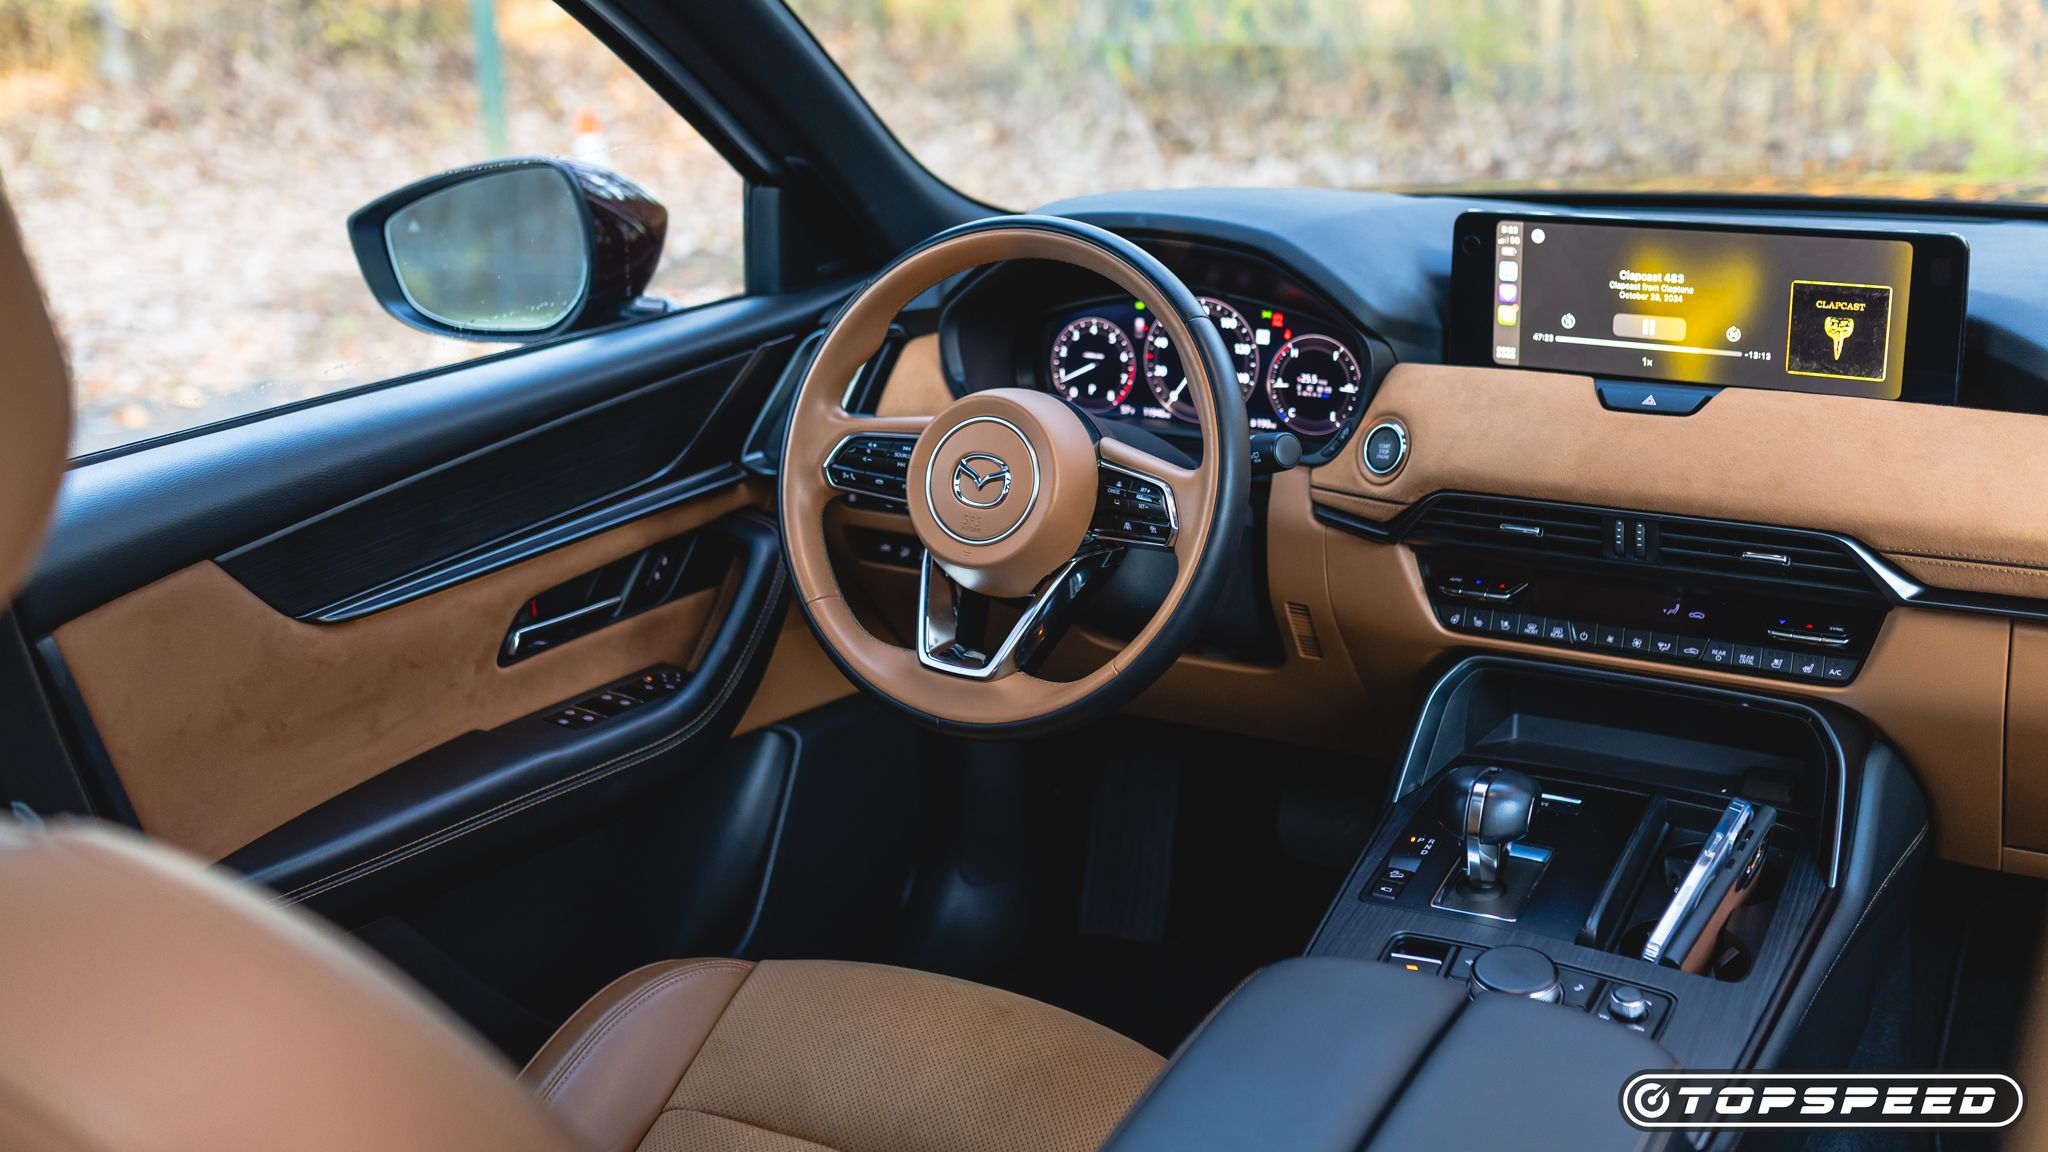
pixel 149 1002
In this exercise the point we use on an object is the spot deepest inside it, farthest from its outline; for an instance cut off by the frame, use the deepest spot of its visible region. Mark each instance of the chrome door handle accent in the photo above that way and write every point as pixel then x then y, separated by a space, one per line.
pixel 512 642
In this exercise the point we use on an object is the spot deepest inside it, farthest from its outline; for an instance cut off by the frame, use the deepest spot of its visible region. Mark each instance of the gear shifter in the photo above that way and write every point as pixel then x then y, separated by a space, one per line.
pixel 1491 808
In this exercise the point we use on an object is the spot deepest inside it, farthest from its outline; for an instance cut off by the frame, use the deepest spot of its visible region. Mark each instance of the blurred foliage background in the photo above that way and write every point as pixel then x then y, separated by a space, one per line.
pixel 183 171
pixel 1021 101
pixel 183 168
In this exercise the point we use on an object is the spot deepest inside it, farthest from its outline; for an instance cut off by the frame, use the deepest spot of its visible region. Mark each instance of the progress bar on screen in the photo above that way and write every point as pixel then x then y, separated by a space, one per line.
pixel 1647 345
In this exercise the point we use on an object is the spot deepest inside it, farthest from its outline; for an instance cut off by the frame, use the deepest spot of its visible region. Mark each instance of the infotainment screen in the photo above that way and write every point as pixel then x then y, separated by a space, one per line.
pixel 1875 314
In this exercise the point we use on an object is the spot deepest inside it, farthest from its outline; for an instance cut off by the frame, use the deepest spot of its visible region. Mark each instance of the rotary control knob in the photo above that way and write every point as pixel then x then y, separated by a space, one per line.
pixel 1627 1003
pixel 1516 971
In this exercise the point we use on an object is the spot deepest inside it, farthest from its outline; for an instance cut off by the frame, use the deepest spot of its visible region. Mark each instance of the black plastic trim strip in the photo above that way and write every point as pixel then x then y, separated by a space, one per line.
pixel 103 788
pixel 526 547
pixel 479 780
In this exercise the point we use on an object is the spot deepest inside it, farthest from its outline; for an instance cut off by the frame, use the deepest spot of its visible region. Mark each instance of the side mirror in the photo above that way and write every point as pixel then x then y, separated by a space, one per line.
pixel 511 251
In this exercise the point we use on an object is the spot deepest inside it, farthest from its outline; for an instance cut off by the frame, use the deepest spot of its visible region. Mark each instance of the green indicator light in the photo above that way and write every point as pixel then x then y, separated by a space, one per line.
pixel 1138 304
pixel 1265 313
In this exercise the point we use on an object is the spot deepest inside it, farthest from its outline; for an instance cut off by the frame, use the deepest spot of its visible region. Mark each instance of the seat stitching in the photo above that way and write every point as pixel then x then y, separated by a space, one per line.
pixel 545 792
pixel 618 1012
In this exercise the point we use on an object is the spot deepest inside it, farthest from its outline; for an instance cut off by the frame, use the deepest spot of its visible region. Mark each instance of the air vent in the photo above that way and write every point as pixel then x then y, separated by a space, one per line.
pixel 1776 554
pixel 1769 553
pixel 1512 524
pixel 1307 644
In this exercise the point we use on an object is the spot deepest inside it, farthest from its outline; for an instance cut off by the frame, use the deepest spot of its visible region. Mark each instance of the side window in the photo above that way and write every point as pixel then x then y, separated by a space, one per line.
pixel 184 171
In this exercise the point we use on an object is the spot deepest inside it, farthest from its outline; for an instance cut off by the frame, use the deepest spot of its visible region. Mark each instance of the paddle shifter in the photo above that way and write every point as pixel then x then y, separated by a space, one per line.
pixel 1491 808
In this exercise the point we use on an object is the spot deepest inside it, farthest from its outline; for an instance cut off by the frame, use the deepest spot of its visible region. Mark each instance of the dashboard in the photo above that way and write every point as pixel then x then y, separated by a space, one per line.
pixel 1875 477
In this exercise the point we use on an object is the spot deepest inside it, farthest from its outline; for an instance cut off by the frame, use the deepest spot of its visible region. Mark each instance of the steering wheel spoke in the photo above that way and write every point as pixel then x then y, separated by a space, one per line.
pixel 954 624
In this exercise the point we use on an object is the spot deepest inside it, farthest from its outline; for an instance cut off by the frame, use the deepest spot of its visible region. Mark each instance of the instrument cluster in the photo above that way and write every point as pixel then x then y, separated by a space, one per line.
pixel 1109 357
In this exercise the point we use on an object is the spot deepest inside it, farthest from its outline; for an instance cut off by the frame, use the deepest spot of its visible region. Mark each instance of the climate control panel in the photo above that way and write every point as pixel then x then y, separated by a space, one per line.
pixel 1734 628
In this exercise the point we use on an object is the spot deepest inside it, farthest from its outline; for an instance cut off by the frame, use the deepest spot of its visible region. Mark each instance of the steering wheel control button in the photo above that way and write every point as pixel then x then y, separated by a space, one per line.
pixel 1384 449
pixel 1654 399
pixel 872 465
pixel 1133 508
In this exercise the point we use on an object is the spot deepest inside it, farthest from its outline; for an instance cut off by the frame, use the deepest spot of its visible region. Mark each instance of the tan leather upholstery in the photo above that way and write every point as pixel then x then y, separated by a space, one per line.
pixel 146 1004
pixel 149 1004
pixel 35 410
pixel 704 1055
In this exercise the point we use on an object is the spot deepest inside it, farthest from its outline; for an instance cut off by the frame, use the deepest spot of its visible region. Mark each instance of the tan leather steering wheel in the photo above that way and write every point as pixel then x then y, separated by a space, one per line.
pixel 1016 496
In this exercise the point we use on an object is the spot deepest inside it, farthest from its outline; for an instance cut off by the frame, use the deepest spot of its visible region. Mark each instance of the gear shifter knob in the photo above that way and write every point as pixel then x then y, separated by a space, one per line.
pixel 1490 808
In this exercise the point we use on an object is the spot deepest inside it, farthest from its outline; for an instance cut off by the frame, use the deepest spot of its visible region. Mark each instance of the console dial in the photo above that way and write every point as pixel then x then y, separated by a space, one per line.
pixel 1169 379
pixel 1313 384
pixel 1093 364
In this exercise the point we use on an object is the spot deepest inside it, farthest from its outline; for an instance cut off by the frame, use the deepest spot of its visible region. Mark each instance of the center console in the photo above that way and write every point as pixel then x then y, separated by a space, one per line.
pixel 1718 871
pixel 1582 874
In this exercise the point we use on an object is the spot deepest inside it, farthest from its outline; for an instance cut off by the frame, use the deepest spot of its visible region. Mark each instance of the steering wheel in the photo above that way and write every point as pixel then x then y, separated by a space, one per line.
pixel 1021 501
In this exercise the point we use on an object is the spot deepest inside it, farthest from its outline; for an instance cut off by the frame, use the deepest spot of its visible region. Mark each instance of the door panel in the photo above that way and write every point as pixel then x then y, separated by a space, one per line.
pixel 223 717
pixel 280 644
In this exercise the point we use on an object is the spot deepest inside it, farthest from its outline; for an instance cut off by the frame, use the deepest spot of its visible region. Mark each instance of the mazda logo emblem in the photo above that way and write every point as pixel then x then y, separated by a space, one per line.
pixel 976 471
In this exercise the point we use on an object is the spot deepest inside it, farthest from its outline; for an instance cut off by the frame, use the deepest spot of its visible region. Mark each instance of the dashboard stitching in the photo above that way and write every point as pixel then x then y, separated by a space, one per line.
pixel 1966 560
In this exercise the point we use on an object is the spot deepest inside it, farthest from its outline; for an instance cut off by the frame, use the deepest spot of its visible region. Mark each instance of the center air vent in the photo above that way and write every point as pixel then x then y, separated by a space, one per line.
pixel 1672 543
pixel 1514 524
pixel 1772 553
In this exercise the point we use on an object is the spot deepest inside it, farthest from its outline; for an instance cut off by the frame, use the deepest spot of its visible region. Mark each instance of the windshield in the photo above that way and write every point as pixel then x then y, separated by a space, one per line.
pixel 1018 102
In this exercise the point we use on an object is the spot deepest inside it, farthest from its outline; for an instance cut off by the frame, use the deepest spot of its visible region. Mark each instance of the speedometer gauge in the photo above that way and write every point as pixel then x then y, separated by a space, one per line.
pixel 1313 384
pixel 1093 364
pixel 1169 379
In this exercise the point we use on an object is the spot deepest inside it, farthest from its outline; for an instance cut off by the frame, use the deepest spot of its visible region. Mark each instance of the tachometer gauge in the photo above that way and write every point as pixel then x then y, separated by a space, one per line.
pixel 1093 364
pixel 1313 384
pixel 1169 380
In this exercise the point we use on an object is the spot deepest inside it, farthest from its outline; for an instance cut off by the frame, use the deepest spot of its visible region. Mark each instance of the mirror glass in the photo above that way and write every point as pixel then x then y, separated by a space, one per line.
pixel 500 252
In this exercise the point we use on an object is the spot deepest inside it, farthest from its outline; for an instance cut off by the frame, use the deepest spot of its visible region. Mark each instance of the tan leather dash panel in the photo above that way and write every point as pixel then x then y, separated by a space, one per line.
pixel 916 386
pixel 224 718
pixel 1952 495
